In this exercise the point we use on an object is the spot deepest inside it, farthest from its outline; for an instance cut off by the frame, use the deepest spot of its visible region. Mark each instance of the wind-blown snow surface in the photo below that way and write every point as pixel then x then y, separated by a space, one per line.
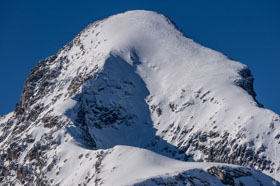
pixel 135 80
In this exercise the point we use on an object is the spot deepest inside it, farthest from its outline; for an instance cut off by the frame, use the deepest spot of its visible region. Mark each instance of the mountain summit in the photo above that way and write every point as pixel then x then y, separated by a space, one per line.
pixel 132 101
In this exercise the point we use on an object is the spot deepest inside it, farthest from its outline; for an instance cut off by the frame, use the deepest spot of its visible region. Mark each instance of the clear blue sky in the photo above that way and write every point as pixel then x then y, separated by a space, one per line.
pixel 247 31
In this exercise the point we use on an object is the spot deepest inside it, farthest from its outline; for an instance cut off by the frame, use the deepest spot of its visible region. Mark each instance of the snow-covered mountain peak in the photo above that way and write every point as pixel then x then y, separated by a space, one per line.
pixel 151 42
pixel 133 83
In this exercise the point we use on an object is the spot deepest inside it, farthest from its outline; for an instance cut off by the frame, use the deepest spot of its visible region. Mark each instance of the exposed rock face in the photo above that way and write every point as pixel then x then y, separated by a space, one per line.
pixel 219 176
pixel 134 80
pixel 227 175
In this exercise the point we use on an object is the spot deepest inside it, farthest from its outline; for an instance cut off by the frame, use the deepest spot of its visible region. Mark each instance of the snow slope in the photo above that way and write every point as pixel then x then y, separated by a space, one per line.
pixel 145 167
pixel 129 85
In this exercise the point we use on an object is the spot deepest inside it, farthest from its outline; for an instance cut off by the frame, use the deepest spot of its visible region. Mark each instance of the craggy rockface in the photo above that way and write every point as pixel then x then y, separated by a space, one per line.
pixel 221 175
pixel 145 86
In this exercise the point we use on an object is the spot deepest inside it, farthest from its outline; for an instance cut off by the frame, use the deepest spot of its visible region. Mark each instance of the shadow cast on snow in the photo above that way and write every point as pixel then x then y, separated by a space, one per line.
pixel 112 110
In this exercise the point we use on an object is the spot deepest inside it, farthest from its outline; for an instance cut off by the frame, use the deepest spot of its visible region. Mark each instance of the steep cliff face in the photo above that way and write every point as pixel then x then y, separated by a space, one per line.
pixel 132 82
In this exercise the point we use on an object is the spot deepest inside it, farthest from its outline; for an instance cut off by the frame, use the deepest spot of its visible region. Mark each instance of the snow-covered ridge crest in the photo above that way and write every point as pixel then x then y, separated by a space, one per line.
pixel 134 79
